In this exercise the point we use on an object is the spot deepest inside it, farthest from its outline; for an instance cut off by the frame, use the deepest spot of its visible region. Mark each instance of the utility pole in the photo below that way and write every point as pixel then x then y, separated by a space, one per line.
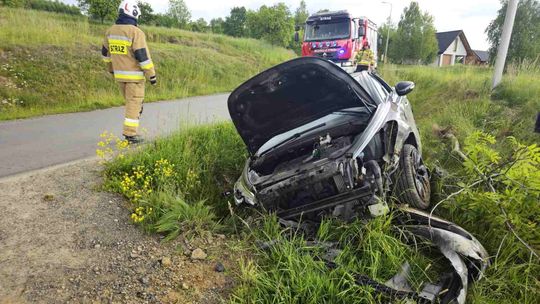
pixel 504 42
pixel 388 33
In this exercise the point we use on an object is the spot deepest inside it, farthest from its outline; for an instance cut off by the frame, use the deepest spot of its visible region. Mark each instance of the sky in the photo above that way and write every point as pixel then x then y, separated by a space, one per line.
pixel 471 16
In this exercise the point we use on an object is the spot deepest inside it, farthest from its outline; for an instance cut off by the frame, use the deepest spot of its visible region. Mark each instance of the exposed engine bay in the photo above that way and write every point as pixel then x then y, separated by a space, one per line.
pixel 307 175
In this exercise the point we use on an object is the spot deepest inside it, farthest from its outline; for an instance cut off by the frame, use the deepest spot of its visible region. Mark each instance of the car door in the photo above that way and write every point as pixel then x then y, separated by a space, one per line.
pixel 401 111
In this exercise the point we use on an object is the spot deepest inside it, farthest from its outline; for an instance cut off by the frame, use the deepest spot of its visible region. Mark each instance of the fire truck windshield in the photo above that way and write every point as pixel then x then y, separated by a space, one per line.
pixel 328 31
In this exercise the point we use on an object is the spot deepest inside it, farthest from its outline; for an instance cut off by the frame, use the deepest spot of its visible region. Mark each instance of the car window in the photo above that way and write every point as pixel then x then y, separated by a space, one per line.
pixel 372 86
pixel 378 87
pixel 383 83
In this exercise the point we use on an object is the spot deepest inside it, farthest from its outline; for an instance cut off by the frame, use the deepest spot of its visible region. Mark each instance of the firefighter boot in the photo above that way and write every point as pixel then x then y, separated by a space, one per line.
pixel 133 140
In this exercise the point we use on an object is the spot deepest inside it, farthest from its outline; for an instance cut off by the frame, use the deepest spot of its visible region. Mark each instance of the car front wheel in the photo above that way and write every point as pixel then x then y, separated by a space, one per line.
pixel 412 183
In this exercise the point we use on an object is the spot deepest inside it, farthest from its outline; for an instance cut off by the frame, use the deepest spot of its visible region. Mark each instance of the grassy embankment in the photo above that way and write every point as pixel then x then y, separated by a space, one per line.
pixel 205 161
pixel 51 63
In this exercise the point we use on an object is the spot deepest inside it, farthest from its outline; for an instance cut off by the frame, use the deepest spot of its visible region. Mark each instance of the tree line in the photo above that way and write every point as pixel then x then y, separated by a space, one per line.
pixel 411 40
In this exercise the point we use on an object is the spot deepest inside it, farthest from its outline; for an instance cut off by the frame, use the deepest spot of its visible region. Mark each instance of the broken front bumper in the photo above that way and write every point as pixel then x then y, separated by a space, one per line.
pixel 467 256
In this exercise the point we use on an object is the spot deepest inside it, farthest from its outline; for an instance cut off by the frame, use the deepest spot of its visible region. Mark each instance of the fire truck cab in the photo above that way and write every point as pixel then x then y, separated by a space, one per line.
pixel 338 37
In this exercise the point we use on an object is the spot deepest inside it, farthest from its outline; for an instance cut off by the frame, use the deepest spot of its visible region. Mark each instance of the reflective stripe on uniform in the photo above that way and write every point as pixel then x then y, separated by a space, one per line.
pixel 366 57
pixel 129 75
pixel 119 42
pixel 131 122
pixel 148 64
pixel 116 39
pixel 106 59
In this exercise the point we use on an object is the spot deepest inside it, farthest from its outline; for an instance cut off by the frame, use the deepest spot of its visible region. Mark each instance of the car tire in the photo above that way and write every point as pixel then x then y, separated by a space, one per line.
pixel 412 183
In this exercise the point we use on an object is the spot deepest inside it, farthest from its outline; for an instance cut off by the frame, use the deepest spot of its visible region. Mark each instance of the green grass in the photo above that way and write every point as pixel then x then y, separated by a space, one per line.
pixel 291 271
pixel 51 63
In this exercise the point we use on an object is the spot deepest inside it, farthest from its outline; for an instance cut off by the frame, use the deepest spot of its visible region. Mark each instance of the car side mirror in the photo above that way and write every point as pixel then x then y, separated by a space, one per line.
pixel 404 87
pixel 296 37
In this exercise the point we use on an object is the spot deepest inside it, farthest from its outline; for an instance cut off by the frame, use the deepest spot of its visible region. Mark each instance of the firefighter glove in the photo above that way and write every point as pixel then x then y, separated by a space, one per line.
pixel 153 80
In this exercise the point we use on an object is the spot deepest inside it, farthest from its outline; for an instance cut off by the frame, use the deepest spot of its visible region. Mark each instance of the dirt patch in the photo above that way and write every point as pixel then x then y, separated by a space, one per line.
pixel 64 241
pixel 6 82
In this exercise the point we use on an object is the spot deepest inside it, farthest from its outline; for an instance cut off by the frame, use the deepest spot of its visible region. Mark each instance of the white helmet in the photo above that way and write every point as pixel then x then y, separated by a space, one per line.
pixel 130 8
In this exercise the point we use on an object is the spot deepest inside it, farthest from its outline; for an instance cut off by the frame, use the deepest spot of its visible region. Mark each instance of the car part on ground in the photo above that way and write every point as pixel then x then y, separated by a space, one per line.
pixel 466 255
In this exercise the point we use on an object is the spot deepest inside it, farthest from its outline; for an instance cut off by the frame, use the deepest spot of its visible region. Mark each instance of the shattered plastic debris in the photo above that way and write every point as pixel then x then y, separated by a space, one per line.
pixel 467 256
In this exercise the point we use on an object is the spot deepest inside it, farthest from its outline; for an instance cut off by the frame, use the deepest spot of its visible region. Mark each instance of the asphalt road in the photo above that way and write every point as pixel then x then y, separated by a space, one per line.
pixel 36 143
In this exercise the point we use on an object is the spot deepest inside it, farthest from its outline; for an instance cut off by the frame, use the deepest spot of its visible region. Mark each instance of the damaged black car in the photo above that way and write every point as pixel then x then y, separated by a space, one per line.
pixel 327 144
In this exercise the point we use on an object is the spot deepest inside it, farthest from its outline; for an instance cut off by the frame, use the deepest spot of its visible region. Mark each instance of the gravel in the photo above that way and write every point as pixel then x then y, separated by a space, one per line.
pixel 81 247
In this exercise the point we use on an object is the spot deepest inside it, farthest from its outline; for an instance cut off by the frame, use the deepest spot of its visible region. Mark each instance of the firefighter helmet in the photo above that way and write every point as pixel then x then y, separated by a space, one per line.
pixel 130 8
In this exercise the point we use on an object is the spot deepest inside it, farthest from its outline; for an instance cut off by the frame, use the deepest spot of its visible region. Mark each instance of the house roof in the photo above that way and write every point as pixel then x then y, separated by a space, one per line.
pixel 446 38
pixel 482 55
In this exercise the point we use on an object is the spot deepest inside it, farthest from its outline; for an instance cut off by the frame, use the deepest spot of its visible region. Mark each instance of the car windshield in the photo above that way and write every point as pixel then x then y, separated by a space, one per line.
pixel 332 120
pixel 328 31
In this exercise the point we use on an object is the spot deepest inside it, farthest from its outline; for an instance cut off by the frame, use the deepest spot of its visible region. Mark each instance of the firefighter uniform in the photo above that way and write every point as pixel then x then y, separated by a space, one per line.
pixel 128 58
pixel 365 59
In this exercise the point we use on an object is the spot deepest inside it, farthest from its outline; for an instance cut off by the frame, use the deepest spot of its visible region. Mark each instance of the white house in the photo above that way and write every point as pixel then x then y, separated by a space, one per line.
pixel 453 48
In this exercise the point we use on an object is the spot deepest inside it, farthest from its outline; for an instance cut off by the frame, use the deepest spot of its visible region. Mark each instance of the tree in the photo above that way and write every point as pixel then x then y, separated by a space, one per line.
pixel 383 30
pixel 525 40
pixel 179 11
pixel 100 9
pixel 147 15
pixel 235 23
pixel 216 25
pixel 200 26
pixel 415 40
pixel 301 14
pixel 165 20
pixel 274 24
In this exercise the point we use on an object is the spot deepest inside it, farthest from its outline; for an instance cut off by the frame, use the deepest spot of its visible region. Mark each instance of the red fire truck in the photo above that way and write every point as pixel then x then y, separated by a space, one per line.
pixel 337 36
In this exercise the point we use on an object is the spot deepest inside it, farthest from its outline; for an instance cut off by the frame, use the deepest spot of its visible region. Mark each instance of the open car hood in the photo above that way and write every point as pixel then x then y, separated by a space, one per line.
pixel 290 95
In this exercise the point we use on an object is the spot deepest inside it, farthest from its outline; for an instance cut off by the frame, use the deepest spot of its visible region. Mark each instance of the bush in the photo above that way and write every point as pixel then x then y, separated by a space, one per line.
pixel 14 3
pixel 53 6
pixel 175 186
pixel 44 5
pixel 180 217
pixel 498 201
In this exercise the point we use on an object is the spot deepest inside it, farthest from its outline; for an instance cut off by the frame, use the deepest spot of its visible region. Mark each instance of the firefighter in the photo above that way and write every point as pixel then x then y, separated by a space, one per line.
pixel 128 58
pixel 365 58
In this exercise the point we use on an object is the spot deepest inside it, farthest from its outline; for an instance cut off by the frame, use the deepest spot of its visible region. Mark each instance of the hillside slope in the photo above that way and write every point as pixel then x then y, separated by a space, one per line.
pixel 51 63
